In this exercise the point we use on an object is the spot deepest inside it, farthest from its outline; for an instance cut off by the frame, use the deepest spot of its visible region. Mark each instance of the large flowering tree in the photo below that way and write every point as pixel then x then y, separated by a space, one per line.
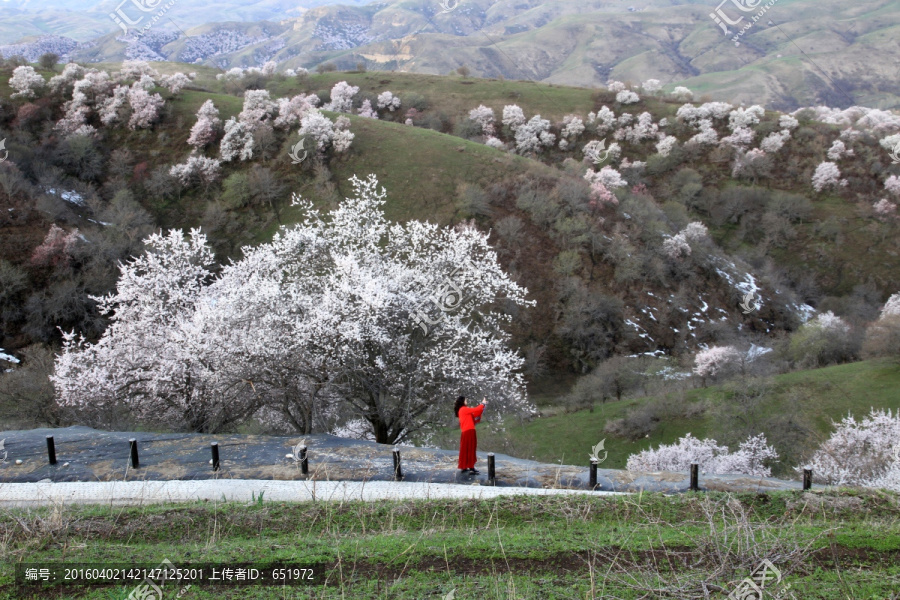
pixel 311 331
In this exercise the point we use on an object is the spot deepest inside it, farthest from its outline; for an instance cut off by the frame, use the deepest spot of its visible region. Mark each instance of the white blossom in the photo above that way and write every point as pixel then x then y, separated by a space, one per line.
pixel 26 81
pixel 207 126
pixel 651 86
pixel 174 83
pixel 389 101
pixel 716 360
pixel 892 185
pixel 197 168
pixel 144 108
pixel 534 134
pixel 484 116
pixel 366 110
pixel 627 97
pixel 838 150
pixel 342 97
pixel 682 93
pixel 775 141
pixel 237 141
pixel 713 459
pixel 666 145
pixel 858 452
pixel 827 175
pixel 513 117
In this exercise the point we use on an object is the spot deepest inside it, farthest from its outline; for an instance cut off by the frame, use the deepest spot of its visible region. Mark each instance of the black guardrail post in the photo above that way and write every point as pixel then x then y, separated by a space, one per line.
pixel 51 450
pixel 398 472
pixel 492 475
pixel 304 461
pixel 134 453
pixel 215 455
pixel 695 477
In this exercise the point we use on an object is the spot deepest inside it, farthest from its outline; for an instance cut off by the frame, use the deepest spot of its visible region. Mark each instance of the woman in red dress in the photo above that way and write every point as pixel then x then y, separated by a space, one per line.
pixel 467 441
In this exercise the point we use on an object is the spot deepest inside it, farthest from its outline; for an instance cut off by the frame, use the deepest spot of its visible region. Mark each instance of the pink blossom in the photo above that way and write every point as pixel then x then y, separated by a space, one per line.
pixel 56 247
pixel 885 210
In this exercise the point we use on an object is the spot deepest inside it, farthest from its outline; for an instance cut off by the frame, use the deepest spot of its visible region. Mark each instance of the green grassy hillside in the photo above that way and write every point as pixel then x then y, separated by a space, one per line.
pixel 819 396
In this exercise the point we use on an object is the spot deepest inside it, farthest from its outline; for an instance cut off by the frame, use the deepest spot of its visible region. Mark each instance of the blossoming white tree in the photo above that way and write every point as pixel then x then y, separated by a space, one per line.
pixel 676 247
pixel 144 108
pixel 206 128
pixel 534 135
pixel 712 458
pixel 651 86
pixel 387 100
pixel 71 73
pixel 175 82
pixel 314 328
pixel 858 452
pixel 112 108
pixel 366 110
pixel 237 141
pixel 197 169
pixel 258 110
pixel 26 81
pixel 683 94
pixel 838 150
pixel 291 110
pixel 716 360
pixel 342 97
pixel 513 116
pixel 885 210
pixel 144 358
pixel 627 97
pixel 774 141
pixel 665 146
pixel 827 175
pixel 484 116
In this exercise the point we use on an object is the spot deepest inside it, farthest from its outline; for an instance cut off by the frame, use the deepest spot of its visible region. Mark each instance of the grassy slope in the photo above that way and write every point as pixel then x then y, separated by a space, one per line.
pixel 831 393
pixel 542 547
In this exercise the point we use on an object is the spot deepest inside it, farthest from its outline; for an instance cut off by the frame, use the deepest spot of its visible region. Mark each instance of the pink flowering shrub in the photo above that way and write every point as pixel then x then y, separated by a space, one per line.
pixel 892 185
pixel 206 128
pixel 56 248
pixel 885 210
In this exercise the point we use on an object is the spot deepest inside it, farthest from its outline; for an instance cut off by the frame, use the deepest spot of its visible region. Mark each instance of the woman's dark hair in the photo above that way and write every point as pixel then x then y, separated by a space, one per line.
pixel 459 404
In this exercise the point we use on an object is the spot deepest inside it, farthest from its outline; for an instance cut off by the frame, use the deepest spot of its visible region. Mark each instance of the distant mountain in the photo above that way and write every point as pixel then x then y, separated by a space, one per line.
pixel 798 53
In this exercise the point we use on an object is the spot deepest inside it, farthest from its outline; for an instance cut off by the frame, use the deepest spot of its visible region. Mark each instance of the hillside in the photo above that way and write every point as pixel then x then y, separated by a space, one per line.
pixel 794 56
pixel 803 250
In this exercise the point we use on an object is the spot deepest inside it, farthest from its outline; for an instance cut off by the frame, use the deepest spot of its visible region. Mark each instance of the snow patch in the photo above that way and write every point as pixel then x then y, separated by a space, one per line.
pixel 70 196
pixel 8 357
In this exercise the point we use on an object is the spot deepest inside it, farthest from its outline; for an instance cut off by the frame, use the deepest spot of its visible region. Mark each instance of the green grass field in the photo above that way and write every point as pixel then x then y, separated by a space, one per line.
pixel 828 545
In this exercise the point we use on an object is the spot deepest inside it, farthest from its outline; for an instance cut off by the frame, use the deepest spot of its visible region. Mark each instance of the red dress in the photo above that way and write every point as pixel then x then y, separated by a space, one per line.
pixel 467 441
